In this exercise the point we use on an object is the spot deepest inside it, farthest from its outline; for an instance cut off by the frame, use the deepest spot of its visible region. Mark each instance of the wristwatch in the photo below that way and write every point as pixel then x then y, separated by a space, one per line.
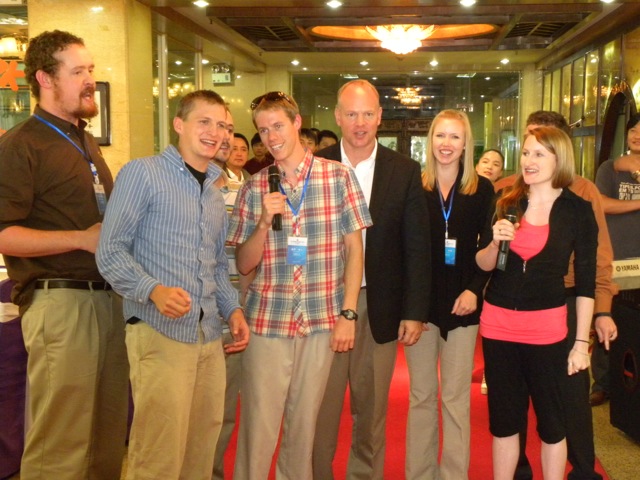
pixel 349 314
pixel 636 175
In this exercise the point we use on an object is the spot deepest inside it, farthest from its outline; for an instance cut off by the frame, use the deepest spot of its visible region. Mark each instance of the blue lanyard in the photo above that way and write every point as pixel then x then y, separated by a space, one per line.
pixel 446 213
pixel 295 211
pixel 94 170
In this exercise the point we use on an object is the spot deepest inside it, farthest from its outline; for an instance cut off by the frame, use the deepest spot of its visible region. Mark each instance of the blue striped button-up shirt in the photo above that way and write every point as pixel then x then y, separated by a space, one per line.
pixel 161 228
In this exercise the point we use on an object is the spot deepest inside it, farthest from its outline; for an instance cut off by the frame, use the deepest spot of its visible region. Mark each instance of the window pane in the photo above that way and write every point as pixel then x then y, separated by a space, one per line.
pixel 555 91
pixel 546 98
pixel 591 89
pixel 577 90
pixel 565 106
pixel 610 76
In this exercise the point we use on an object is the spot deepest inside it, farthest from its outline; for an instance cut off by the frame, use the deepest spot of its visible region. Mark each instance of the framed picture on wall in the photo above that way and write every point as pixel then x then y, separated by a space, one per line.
pixel 100 125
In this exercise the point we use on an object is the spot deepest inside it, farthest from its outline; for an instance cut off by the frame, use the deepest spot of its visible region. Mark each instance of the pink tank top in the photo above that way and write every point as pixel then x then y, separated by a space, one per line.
pixel 535 327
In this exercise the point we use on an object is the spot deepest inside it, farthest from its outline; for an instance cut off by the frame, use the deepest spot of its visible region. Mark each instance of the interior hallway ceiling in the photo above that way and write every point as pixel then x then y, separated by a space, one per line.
pixel 255 34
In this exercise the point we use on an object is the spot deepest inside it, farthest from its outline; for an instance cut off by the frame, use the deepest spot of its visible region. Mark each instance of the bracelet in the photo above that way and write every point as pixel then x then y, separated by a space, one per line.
pixel 635 175
pixel 601 314
pixel 581 353
pixel 579 340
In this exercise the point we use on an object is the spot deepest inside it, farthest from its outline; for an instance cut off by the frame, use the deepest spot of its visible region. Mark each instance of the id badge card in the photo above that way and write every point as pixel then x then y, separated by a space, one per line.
pixel 297 251
pixel 450 251
pixel 101 197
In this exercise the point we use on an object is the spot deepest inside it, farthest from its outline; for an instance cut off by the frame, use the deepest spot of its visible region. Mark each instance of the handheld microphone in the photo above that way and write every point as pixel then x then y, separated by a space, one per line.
pixel 274 186
pixel 503 249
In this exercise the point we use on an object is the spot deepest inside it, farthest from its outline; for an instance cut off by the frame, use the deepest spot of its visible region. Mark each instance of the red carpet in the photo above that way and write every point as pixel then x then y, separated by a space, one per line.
pixel 481 464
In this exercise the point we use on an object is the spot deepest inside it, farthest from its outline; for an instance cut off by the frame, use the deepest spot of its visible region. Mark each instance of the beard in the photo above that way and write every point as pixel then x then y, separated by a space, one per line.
pixel 82 109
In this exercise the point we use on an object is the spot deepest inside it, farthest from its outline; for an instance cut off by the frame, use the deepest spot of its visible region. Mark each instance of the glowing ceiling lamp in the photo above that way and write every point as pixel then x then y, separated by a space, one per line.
pixel 401 39
pixel 13 47
pixel 409 96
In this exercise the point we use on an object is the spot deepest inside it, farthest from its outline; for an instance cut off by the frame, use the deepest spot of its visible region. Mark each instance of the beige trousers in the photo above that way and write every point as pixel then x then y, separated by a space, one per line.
pixel 455 358
pixel 283 381
pixel 233 364
pixel 368 370
pixel 78 379
pixel 178 391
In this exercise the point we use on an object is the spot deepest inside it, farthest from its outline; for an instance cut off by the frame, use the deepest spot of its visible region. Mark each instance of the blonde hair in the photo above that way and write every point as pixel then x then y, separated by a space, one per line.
pixel 469 182
pixel 558 143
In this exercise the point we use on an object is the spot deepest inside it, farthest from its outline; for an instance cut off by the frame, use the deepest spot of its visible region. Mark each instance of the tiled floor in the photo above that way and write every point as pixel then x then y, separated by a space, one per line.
pixel 618 453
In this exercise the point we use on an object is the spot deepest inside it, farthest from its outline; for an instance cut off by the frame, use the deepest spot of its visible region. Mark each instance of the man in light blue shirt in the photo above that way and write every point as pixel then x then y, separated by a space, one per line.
pixel 162 248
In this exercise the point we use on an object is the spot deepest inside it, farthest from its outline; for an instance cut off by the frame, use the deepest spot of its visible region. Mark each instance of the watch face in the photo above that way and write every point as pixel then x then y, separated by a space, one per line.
pixel 349 314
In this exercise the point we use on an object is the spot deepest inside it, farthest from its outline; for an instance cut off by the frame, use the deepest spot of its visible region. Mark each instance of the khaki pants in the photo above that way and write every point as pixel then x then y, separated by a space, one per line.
pixel 77 372
pixel 178 392
pixel 233 364
pixel 368 369
pixel 281 377
pixel 455 357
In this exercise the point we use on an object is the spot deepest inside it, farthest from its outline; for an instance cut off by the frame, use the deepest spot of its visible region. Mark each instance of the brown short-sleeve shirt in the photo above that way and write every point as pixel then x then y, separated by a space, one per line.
pixel 46 184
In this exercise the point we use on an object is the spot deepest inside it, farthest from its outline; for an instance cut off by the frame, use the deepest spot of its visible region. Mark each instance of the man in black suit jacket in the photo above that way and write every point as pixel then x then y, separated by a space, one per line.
pixel 394 299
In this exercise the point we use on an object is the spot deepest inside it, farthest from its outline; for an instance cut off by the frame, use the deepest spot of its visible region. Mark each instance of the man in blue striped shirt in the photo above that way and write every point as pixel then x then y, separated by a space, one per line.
pixel 162 248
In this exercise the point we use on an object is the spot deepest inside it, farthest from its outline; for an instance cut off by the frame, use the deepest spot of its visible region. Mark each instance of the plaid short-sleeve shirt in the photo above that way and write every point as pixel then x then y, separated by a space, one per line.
pixel 333 206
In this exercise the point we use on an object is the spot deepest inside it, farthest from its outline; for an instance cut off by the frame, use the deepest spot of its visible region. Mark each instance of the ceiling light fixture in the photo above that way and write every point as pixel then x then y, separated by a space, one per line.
pixel 13 47
pixel 433 63
pixel 334 4
pixel 409 96
pixel 295 63
pixel 401 39
pixel 467 3
pixel 201 3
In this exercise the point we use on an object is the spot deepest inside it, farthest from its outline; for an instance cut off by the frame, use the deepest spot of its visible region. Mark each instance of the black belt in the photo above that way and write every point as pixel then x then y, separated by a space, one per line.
pixel 73 284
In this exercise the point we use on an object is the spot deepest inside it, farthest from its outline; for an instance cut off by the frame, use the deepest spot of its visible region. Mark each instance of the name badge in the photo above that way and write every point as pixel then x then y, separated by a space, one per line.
pixel 101 197
pixel 297 251
pixel 450 251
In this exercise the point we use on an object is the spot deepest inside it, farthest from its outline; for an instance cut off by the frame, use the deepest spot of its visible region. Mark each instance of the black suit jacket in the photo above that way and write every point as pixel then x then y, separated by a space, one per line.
pixel 397 260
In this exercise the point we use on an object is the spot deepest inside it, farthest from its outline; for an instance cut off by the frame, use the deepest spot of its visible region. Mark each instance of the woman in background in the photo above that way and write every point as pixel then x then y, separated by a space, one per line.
pixel 524 320
pixel 459 203
pixel 491 164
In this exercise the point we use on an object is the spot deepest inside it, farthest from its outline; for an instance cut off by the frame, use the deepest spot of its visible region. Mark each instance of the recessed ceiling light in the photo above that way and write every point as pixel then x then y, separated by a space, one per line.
pixel 504 61
pixel 205 61
pixel 607 1
pixel 304 69
pixel 430 78
pixel 467 3
pixel 374 78
pixel 487 78
pixel 364 63
pixel 97 9
pixel 178 62
pixel 334 4
pixel 433 63
pixel 295 63
pixel 201 3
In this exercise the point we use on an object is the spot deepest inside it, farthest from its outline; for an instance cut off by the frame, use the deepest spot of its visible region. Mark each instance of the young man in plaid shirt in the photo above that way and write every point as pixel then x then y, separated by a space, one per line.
pixel 301 304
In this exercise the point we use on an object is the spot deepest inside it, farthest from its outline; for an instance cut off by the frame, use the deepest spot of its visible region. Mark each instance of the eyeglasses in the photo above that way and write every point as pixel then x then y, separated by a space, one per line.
pixel 271 97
